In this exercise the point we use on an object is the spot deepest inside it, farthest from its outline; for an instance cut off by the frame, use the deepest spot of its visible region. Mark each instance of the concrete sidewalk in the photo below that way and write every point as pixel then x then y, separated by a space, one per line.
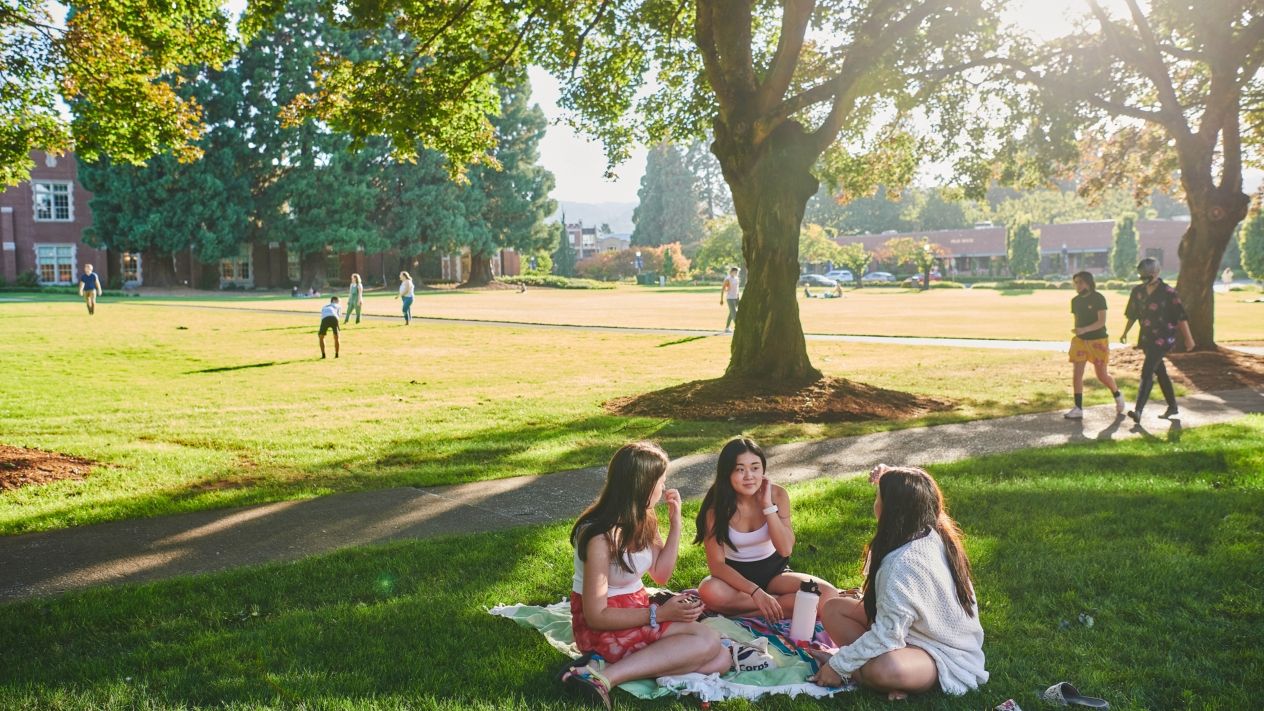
pixel 48 563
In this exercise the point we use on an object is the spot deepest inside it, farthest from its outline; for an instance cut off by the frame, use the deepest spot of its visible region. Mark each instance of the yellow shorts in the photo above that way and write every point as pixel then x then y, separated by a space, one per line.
pixel 1096 350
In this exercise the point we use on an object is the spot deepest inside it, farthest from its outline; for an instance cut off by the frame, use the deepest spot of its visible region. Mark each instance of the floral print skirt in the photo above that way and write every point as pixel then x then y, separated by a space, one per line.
pixel 614 645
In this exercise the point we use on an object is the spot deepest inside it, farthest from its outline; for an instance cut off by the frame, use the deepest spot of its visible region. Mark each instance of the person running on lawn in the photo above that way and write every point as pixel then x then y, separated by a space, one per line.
pixel 1158 307
pixel 329 320
pixel 1091 344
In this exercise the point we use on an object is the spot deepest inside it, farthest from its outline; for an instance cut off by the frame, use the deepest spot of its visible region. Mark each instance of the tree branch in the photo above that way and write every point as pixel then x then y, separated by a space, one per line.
pixel 1157 68
pixel 425 46
pixel 733 40
pixel 671 28
pixel 1231 165
pixel 579 46
pixel 496 66
pixel 704 38
pixel 794 24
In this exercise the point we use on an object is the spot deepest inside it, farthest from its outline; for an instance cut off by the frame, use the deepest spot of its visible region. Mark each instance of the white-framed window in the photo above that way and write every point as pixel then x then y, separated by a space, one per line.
pixel 55 263
pixel 131 268
pixel 236 269
pixel 293 267
pixel 590 240
pixel 53 200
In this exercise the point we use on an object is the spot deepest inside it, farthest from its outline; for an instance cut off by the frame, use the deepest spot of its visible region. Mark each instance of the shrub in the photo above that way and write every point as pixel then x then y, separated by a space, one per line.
pixel 1030 284
pixel 947 285
pixel 28 278
pixel 1114 284
pixel 555 282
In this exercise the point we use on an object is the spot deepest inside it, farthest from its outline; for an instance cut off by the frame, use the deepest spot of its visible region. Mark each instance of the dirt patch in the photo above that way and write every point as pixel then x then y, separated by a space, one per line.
pixel 29 467
pixel 826 400
pixel 1223 369
pixel 491 286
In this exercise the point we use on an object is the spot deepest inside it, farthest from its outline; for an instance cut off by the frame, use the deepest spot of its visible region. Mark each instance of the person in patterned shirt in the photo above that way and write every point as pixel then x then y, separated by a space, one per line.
pixel 1158 307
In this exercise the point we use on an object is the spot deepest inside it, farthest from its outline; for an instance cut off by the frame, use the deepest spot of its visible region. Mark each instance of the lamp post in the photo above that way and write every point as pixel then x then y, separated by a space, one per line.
pixel 1066 259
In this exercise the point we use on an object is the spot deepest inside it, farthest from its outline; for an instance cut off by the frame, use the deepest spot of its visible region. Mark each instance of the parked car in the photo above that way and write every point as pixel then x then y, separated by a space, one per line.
pixel 816 280
pixel 841 276
pixel 879 277
pixel 916 279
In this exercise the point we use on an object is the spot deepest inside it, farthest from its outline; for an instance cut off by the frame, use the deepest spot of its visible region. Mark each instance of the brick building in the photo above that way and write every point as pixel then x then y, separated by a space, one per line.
pixel 1064 248
pixel 41 230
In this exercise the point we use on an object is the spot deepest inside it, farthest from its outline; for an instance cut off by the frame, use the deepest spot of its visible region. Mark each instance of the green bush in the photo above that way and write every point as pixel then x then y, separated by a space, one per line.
pixel 28 278
pixel 947 285
pixel 1114 284
pixel 555 282
pixel 1032 284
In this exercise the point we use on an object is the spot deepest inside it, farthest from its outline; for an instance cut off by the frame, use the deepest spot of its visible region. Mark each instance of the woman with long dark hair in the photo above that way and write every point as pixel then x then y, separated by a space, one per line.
pixel 918 623
pixel 616 542
pixel 744 522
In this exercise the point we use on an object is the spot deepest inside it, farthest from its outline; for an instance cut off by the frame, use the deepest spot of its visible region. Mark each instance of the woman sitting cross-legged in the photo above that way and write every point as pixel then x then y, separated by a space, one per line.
pixel 616 542
pixel 744 522
pixel 918 624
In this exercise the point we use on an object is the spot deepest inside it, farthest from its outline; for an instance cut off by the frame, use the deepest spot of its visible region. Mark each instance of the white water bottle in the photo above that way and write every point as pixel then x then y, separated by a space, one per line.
pixel 803 622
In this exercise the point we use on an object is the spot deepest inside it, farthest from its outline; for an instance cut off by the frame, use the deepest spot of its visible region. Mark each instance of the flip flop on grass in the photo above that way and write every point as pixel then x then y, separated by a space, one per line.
pixel 1063 694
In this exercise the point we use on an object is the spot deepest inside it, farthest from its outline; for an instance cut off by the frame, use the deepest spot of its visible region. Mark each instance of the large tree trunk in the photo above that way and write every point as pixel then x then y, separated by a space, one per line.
pixel 480 270
pixel 159 270
pixel 1214 215
pixel 771 188
pixel 313 271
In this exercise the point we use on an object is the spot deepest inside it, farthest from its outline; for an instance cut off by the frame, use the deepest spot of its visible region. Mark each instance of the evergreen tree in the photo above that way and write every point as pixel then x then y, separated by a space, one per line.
pixel 1251 239
pixel 1124 247
pixel 515 199
pixel 668 211
pixel 311 193
pixel 165 206
pixel 713 192
pixel 418 209
pixel 564 257
pixel 1022 246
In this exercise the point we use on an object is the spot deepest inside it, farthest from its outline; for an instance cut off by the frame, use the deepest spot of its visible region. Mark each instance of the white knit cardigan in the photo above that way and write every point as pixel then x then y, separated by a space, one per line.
pixel 917 605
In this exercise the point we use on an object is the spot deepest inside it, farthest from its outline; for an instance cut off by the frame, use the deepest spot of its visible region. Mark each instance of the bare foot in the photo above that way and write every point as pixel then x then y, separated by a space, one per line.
pixel 897 696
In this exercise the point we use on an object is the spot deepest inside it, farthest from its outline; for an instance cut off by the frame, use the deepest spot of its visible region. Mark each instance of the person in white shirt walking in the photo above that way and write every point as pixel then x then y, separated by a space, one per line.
pixel 729 293
pixel 917 626
pixel 329 314
pixel 406 295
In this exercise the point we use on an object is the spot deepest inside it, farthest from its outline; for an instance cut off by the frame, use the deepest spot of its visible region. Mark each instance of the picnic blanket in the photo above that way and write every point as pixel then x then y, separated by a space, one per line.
pixel 789 676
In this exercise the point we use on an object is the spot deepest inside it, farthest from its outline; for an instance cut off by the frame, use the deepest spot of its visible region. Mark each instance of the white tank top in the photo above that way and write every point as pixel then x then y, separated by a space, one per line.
pixel 731 285
pixel 618 580
pixel 749 546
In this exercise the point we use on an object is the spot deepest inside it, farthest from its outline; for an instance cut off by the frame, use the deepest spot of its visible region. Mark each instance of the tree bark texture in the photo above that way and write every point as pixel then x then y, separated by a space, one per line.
pixel 1214 214
pixel 158 269
pixel 480 270
pixel 771 186
pixel 313 271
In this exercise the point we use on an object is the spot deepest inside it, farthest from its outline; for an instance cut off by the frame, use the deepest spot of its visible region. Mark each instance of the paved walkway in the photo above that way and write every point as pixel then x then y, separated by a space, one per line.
pixel 154 548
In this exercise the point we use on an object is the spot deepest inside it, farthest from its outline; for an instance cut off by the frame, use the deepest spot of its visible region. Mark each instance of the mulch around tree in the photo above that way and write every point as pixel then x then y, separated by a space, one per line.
pixel 825 400
pixel 1223 369
pixel 27 467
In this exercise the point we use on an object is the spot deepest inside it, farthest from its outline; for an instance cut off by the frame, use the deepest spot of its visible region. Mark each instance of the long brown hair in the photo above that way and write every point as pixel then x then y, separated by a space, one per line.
pixel 912 504
pixel 622 509
pixel 721 499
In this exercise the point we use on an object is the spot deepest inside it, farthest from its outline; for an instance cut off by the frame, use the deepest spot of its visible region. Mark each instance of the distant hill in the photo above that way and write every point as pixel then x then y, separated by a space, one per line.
pixel 617 214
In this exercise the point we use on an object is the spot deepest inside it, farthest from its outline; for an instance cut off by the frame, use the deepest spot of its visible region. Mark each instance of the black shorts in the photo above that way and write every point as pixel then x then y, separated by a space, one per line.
pixel 761 572
pixel 327 323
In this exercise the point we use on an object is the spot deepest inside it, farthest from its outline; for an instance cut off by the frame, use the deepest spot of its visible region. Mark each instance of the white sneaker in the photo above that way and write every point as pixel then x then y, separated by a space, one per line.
pixel 1120 407
pixel 1074 413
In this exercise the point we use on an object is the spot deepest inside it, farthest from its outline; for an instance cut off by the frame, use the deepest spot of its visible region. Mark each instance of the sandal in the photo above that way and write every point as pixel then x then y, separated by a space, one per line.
pixel 1063 694
pixel 588 682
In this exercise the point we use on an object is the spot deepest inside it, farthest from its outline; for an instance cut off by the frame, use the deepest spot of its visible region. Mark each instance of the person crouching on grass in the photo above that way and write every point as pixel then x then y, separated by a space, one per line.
pixel 744 523
pixel 917 626
pixel 329 320
pixel 1091 344
pixel 616 541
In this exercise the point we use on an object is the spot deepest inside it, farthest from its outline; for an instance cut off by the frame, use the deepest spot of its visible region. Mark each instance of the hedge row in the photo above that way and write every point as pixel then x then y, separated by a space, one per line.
pixel 555 282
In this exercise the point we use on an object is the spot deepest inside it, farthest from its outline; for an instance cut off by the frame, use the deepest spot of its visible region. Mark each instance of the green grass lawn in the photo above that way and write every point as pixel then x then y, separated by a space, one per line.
pixel 957 313
pixel 191 408
pixel 1159 540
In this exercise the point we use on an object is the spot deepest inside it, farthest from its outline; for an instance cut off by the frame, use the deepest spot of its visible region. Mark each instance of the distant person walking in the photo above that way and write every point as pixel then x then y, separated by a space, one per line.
pixel 1158 307
pixel 406 295
pixel 729 293
pixel 329 320
pixel 355 298
pixel 89 288
pixel 1091 344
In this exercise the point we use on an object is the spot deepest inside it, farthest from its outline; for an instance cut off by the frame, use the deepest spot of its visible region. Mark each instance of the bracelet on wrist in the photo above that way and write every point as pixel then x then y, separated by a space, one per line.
pixel 653 616
pixel 771 510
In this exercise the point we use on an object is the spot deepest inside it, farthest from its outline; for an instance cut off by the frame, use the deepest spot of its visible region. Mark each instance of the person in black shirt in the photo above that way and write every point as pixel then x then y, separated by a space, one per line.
pixel 1090 344
pixel 89 288
pixel 1158 307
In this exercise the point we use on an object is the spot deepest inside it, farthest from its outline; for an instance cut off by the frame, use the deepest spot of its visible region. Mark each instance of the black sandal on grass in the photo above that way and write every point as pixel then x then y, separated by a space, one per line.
pixel 1063 694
